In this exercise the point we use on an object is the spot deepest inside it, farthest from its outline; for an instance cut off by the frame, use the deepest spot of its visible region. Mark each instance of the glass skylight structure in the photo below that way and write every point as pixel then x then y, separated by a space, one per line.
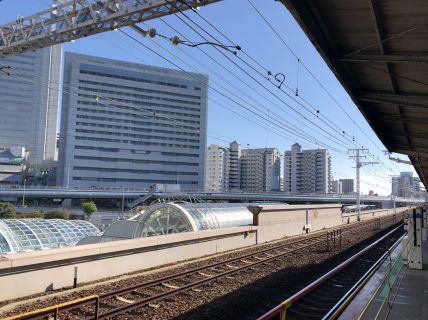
pixel 167 218
pixel 20 235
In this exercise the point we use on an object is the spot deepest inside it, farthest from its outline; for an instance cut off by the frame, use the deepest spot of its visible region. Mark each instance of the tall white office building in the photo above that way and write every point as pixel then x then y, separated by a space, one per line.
pixel 260 169
pixel 29 109
pixel 307 171
pixel 131 125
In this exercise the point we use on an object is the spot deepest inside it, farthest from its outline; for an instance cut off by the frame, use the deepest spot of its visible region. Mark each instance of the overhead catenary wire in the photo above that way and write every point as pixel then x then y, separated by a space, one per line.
pixel 243 70
pixel 223 54
pixel 312 74
pixel 321 85
pixel 233 86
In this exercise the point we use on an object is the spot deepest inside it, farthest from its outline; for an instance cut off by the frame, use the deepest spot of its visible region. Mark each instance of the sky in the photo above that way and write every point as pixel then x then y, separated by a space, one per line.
pixel 239 83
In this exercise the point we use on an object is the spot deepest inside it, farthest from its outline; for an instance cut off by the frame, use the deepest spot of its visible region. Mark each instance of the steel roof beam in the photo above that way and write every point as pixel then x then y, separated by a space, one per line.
pixel 395 99
pixel 386 58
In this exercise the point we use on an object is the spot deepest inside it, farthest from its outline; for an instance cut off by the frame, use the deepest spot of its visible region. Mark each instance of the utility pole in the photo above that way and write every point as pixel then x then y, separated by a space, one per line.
pixel 358 155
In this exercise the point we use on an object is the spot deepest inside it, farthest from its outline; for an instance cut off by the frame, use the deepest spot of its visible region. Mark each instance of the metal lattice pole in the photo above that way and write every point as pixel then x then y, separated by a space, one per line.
pixel 359 154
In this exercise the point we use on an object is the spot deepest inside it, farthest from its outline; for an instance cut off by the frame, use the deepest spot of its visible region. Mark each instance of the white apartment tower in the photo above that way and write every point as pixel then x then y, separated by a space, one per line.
pixel 217 169
pixel 307 171
pixel 260 170
pixel 29 109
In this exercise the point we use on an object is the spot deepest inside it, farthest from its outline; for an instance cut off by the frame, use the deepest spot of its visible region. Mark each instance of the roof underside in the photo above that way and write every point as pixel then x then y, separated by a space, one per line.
pixel 379 52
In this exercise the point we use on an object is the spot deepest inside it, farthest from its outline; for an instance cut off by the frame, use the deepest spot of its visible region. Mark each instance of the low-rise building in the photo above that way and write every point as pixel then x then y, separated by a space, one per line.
pixel 13 165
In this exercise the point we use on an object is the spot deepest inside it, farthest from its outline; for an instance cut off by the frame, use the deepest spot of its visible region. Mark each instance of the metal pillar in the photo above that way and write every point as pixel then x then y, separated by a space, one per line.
pixel 355 154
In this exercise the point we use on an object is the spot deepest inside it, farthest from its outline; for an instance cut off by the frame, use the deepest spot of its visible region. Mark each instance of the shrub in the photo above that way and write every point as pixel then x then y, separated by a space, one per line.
pixel 57 214
pixel 89 207
pixel 7 211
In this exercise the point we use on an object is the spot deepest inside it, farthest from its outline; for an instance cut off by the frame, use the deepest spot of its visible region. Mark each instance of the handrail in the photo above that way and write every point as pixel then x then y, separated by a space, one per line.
pixel 344 301
pixel 283 306
pixel 56 308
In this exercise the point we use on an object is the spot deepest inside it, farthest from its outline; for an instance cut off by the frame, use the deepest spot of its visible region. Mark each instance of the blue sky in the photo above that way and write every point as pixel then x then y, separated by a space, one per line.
pixel 228 121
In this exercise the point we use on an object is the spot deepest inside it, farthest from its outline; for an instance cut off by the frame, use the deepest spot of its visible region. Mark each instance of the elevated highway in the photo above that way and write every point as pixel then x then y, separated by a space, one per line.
pixel 132 196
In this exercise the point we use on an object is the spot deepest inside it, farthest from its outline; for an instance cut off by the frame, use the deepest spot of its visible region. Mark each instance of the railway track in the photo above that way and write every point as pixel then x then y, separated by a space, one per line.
pixel 126 299
pixel 325 298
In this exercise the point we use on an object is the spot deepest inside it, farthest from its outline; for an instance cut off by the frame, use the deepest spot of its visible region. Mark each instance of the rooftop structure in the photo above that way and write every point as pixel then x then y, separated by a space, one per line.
pixel 18 235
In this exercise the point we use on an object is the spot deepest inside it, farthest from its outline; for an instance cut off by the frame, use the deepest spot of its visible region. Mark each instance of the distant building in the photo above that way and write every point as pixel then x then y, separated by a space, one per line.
pixel 217 169
pixel 336 186
pixel 347 185
pixel 307 171
pixel 260 169
pixel 151 129
pixel 29 109
pixel 234 166
pixel 13 165
pixel 405 185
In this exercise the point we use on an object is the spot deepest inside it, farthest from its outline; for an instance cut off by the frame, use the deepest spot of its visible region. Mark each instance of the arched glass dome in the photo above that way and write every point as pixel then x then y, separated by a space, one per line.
pixel 17 235
pixel 167 218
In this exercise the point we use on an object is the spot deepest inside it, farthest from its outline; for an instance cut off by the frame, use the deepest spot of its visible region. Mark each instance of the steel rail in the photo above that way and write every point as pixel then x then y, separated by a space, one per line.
pixel 306 242
pixel 154 298
pixel 344 301
pixel 195 270
pixel 281 308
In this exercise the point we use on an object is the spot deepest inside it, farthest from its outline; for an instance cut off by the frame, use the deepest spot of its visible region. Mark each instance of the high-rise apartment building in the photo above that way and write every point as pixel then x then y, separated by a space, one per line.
pixel 29 109
pixel 234 166
pixel 260 169
pixel 131 125
pixel 405 185
pixel 347 185
pixel 307 171
pixel 217 169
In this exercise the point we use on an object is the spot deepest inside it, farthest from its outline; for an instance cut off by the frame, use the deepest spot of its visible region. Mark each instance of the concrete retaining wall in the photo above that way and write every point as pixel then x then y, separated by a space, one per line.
pixel 353 217
pixel 275 222
pixel 177 247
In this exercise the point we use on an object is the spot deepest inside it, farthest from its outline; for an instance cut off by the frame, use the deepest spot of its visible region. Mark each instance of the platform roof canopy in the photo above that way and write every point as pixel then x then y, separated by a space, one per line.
pixel 379 52
pixel 18 235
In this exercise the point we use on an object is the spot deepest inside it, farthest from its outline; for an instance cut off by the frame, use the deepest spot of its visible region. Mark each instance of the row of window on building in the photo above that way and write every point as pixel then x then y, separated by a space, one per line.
pixel 259 170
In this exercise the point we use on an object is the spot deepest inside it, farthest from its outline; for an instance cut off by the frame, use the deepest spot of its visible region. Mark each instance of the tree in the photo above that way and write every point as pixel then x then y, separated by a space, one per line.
pixel 57 214
pixel 7 211
pixel 89 208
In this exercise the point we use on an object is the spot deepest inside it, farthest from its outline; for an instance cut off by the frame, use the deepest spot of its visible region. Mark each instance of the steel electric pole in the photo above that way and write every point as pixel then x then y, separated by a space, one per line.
pixel 358 155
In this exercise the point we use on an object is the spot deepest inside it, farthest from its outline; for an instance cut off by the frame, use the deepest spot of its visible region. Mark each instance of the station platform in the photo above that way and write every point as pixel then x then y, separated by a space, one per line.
pixel 394 292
